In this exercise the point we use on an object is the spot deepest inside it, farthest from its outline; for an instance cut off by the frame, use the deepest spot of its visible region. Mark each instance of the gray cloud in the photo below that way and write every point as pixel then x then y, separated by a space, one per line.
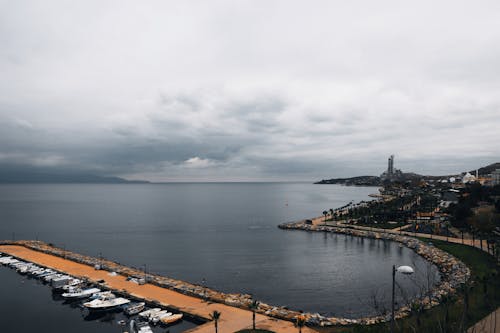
pixel 249 90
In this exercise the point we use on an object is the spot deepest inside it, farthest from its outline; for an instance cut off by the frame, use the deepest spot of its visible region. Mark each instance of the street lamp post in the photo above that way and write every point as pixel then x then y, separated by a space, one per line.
pixel 403 270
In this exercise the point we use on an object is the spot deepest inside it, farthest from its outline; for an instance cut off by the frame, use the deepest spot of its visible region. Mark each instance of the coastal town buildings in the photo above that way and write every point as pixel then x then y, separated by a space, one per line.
pixel 495 177
pixel 468 178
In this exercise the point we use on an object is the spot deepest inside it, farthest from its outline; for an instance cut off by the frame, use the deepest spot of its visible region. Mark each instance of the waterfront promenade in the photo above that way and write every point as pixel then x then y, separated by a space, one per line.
pixel 232 318
pixel 490 324
pixel 398 231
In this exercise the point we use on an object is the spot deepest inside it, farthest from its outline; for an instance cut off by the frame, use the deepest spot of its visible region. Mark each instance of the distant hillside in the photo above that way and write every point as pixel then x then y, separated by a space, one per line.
pixel 487 169
pixel 9 175
pixel 377 181
pixel 358 181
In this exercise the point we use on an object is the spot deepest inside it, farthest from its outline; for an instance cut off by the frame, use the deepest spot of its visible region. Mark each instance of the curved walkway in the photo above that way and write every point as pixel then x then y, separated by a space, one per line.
pixel 490 324
pixel 232 318
pixel 398 231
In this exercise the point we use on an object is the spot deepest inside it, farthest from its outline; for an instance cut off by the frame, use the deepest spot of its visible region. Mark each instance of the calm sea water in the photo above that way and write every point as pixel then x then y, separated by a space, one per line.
pixel 223 235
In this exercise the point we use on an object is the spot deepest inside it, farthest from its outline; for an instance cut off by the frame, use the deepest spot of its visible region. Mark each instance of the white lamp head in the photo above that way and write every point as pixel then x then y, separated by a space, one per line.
pixel 405 270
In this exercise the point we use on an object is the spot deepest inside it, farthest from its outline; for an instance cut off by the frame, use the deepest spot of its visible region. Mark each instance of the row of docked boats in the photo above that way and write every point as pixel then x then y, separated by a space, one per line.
pixel 93 298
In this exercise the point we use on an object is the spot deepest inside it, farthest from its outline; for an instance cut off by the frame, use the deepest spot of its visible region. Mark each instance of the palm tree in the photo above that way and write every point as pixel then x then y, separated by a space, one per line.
pixel 325 213
pixel 331 212
pixel 215 317
pixel 300 321
pixel 254 306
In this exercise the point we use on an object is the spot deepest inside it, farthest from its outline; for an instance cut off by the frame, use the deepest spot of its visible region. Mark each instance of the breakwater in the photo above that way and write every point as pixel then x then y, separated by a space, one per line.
pixel 196 302
pixel 453 272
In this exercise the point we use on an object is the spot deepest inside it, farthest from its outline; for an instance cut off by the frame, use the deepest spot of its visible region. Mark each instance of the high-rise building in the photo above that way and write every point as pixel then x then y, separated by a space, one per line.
pixel 390 166
pixel 391 174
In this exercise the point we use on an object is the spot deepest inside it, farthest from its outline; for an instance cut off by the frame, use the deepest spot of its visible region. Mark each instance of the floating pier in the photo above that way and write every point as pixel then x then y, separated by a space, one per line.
pixel 157 290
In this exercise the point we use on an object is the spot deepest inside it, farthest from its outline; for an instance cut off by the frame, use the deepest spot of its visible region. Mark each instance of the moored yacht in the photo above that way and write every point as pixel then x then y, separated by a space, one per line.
pixel 106 302
pixel 133 308
pixel 171 319
pixel 157 316
pixel 72 282
pixel 102 295
pixel 61 281
pixel 149 313
pixel 80 293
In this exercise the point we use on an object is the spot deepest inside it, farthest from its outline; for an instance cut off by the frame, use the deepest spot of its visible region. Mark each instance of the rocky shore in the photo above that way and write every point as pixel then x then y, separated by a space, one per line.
pixel 453 273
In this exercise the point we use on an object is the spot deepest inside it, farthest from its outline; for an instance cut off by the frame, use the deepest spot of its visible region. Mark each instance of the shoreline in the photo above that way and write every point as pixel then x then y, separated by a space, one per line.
pixel 453 272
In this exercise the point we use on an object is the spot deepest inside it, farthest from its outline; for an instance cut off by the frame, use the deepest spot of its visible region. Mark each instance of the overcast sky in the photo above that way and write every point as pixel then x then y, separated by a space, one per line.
pixel 249 90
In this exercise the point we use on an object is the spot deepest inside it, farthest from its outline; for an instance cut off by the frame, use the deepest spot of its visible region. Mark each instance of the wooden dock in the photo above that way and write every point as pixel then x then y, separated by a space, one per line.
pixel 232 319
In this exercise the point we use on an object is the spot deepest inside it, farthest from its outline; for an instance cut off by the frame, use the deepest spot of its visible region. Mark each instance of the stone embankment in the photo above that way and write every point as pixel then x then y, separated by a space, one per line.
pixel 453 272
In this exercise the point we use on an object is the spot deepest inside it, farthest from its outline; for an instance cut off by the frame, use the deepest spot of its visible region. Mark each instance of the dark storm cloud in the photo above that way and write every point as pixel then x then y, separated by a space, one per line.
pixel 252 90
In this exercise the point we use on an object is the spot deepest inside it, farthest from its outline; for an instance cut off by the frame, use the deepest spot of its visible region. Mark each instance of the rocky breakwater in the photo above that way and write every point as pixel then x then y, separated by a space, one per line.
pixel 233 299
pixel 453 272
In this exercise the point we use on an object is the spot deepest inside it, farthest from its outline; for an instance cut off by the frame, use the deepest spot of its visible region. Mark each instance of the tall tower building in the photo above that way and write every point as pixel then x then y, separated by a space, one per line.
pixel 390 166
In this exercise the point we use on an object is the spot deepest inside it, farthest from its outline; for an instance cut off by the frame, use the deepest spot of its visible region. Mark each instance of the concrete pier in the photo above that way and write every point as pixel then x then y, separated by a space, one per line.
pixel 232 318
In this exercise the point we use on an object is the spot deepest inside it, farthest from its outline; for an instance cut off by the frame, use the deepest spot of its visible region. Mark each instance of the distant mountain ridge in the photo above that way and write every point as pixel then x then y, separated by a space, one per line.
pixel 359 180
pixel 13 175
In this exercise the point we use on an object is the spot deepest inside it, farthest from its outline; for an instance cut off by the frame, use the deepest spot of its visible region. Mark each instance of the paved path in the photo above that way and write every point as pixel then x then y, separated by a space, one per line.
pixel 490 324
pixel 232 318
pixel 476 243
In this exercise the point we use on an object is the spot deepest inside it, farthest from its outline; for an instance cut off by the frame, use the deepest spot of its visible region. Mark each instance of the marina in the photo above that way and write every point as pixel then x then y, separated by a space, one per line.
pixel 96 300
pixel 170 306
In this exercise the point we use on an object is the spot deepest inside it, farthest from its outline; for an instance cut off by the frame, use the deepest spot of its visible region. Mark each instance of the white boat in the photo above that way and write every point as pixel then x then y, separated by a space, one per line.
pixel 50 277
pixel 16 263
pixel 106 303
pixel 171 319
pixel 157 316
pixel 72 282
pixel 5 260
pixel 9 260
pixel 102 295
pixel 57 283
pixel 30 269
pixel 134 308
pixel 23 269
pixel 46 273
pixel 149 313
pixel 81 293
pixel 34 269
pixel 72 289
pixel 37 272
pixel 143 327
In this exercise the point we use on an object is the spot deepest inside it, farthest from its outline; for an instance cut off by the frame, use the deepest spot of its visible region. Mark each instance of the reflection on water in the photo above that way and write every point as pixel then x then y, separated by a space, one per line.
pixel 224 236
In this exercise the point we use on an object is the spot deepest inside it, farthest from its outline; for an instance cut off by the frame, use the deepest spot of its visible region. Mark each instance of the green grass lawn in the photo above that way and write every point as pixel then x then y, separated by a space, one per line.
pixel 382 225
pixel 482 292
